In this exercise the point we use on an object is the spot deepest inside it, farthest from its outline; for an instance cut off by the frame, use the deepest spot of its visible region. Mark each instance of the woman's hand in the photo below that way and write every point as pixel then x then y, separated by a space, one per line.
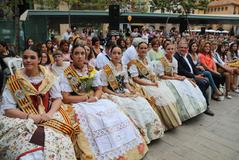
pixel 155 84
pixel 180 78
pixel 36 118
pixel 92 99
pixel 46 116
pixel 200 67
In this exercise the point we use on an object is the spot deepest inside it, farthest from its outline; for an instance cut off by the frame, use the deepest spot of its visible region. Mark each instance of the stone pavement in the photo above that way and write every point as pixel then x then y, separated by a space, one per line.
pixel 202 137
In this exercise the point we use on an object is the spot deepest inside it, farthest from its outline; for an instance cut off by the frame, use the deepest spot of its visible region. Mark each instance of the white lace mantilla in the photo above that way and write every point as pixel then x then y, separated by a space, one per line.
pixel 109 132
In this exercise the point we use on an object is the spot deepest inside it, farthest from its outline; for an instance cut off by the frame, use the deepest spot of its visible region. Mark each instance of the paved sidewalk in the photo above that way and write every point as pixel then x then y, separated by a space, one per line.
pixel 203 137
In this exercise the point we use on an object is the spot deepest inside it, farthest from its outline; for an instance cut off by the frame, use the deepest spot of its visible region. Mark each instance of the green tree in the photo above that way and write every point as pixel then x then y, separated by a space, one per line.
pixel 176 5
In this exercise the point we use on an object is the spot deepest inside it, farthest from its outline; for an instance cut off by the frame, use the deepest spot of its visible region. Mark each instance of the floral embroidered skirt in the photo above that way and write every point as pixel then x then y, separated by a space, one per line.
pixel 15 136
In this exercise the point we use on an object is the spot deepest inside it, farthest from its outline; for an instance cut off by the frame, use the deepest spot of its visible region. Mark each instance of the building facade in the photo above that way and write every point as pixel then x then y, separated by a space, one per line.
pixel 224 7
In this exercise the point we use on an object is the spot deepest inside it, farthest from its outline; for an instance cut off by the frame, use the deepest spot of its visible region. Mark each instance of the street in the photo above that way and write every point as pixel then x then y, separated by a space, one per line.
pixel 203 137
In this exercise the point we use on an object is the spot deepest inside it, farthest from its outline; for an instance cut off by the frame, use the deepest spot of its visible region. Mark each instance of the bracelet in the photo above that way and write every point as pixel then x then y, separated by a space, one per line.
pixel 96 98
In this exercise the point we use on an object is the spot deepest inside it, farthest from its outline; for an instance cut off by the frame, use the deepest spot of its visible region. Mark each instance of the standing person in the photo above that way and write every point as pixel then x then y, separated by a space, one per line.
pixel 67 34
pixel 165 102
pixel 187 68
pixel 33 124
pixel 190 100
pixel 116 84
pixel 105 131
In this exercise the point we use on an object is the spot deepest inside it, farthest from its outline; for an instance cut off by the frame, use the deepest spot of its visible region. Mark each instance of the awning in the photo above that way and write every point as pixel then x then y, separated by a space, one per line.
pixel 77 16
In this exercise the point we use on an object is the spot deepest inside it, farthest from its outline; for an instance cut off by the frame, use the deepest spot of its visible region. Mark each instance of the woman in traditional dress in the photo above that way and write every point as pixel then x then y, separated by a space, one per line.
pixel 115 83
pixel 190 100
pixel 106 132
pixel 32 123
pixel 164 99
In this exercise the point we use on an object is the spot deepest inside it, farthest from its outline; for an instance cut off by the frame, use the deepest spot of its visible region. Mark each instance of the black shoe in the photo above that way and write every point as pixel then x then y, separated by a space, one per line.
pixel 209 112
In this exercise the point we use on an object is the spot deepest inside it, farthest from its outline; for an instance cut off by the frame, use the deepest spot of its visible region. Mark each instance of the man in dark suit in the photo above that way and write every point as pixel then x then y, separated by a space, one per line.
pixel 187 68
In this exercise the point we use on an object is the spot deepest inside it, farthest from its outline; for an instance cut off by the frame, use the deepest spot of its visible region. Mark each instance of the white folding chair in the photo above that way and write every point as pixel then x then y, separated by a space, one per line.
pixel 14 64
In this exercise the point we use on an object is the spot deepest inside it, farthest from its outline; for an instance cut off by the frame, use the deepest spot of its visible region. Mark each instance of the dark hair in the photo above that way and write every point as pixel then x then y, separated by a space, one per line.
pixel 219 51
pixel 26 44
pixel 119 43
pixel 142 43
pixel 233 53
pixel 49 49
pixel 113 47
pixel 109 44
pixel 164 43
pixel 36 49
pixel 4 44
pixel 190 46
pixel 94 40
pixel 76 46
pixel 63 42
pixel 48 58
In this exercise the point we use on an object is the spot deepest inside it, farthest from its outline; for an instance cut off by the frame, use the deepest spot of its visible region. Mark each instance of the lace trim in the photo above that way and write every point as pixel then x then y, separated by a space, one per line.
pixel 115 153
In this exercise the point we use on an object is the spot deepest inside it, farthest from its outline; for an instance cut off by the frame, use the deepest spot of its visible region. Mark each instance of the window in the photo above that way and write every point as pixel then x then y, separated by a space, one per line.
pixel 215 9
pixel 222 8
pixel 218 9
pixel 226 8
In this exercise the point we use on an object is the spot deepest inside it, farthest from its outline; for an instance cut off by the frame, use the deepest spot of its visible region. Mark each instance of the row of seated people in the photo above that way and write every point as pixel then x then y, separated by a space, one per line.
pixel 108 114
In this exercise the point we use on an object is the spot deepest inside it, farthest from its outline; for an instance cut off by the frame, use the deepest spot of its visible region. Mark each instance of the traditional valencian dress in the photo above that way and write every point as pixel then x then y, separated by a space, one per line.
pixel 136 107
pixel 162 96
pixel 21 138
pixel 190 100
pixel 105 131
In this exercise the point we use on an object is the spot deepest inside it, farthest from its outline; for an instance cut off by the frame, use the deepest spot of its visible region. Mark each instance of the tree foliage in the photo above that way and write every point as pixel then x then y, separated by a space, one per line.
pixel 181 5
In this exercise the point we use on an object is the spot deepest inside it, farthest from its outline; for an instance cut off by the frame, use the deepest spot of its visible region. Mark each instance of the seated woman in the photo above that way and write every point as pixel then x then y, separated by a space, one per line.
pixel 154 54
pixel 165 101
pixel 224 67
pixel 206 59
pixel 115 81
pixel 33 123
pixel 106 132
pixel 190 100
pixel 193 52
pixel 45 60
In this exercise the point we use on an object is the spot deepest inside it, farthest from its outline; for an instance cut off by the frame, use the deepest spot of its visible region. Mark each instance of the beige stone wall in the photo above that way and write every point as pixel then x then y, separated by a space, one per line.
pixel 227 9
